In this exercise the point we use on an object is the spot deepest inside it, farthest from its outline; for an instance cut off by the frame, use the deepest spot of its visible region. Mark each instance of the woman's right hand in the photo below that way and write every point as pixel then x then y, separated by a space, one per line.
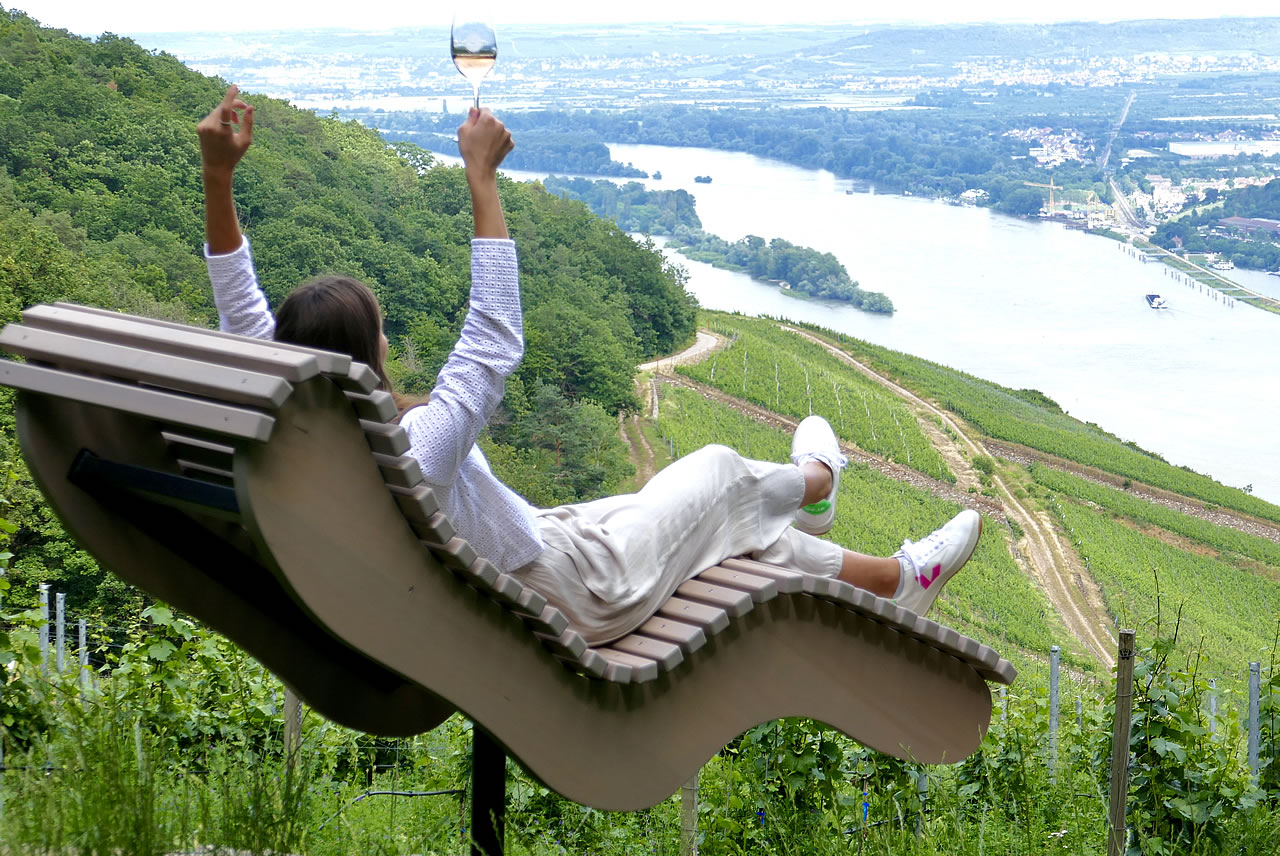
pixel 483 142
pixel 221 145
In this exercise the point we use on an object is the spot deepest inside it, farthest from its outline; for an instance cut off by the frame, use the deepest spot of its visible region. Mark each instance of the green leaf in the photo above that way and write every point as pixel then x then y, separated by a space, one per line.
pixel 161 650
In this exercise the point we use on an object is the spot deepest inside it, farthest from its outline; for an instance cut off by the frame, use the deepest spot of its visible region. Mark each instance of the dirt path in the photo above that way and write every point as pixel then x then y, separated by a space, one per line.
pixel 1058 570
pixel 702 347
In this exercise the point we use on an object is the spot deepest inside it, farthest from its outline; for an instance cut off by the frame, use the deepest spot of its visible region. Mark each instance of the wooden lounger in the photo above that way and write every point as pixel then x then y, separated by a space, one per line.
pixel 234 478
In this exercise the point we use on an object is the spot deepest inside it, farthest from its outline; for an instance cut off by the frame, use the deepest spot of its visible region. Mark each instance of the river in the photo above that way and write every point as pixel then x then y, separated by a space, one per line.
pixel 1022 303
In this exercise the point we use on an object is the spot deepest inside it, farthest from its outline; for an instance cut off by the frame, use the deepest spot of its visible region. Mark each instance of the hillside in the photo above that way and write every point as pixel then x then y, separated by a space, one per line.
pixel 1069 558
pixel 100 203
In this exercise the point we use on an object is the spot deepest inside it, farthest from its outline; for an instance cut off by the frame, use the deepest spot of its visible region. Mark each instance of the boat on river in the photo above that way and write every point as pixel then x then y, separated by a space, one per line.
pixel 1155 301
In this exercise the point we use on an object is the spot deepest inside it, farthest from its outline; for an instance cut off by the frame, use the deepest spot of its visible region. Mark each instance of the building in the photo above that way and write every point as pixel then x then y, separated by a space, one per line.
pixel 1250 225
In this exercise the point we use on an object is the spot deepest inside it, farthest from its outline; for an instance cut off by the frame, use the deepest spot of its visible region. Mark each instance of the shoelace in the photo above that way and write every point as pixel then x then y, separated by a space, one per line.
pixel 932 543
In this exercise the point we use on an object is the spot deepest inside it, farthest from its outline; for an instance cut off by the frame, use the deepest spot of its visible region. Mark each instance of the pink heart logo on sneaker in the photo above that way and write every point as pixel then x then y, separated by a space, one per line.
pixel 937 569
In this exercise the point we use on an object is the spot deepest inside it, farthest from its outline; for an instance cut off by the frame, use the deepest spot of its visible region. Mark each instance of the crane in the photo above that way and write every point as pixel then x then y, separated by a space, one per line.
pixel 1052 187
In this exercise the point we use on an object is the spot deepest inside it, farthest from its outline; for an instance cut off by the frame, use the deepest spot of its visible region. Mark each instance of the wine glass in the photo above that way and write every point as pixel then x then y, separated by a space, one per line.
pixel 474 46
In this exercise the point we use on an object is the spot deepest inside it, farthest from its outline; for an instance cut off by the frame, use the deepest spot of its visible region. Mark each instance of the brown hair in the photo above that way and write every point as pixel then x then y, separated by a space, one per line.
pixel 339 313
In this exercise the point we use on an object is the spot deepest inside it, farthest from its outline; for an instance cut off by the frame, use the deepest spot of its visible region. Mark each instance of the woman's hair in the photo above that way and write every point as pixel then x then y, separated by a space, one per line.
pixel 335 313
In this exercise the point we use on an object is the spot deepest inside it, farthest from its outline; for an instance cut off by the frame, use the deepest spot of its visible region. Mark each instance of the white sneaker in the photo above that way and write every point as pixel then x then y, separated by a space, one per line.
pixel 934 560
pixel 815 441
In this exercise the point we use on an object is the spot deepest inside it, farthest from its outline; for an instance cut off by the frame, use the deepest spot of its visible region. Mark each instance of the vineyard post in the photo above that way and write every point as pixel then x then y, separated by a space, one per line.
pixel 44 626
pixel 292 726
pixel 1004 703
pixel 1120 745
pixel 1055 654
pixel 1079 716
pixel 60 632
pixel 1213 705
pixel 689 817
pixel 83 629
pixel 922 787
pixel 1254 692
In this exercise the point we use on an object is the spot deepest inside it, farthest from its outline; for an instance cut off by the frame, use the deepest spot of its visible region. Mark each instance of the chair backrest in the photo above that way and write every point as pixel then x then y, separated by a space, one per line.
pixel 233 478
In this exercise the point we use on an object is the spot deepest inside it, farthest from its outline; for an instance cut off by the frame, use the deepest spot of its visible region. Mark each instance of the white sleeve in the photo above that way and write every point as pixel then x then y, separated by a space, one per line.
pixel 242 307
pixel 471 383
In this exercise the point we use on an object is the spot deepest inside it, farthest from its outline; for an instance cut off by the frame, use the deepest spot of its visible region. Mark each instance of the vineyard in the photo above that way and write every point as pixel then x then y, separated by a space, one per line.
pixel 1031 419
pixel 992 600
pixel 1228 613
pixel 777 370
pixel 1133 508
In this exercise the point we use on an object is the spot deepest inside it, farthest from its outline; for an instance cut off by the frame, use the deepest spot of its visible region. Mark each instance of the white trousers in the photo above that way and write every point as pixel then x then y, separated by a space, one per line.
pixel 609 564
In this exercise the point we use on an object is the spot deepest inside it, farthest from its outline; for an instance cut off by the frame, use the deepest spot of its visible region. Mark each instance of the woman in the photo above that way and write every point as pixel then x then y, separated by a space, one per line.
pixel 608 564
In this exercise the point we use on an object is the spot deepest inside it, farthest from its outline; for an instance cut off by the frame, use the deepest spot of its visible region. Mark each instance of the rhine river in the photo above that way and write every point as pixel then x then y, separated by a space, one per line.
pixel 1022 303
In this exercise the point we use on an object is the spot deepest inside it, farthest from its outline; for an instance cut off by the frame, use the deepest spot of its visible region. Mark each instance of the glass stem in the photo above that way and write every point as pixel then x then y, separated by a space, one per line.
pixel 475 89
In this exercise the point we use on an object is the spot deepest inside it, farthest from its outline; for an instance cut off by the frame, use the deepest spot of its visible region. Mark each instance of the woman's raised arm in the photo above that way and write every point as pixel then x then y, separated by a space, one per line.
pixel 221 147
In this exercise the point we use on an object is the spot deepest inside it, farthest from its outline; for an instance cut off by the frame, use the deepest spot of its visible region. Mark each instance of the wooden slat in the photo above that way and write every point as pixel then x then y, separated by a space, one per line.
pixel 199 451
pixel 689 637
pixel 197 467
pixel 505 589
pixel 736 603
pixel 549 622
pixel 456 555
pixel 377 406
pixel 761 589
pixel 589 663
pixel 209 474
pixel 400 471
pixel 163 406
pixel 788 581
pixel 266 357
pixel 229 385
pixel 530 602
pixel 639 669
pixel 711 619
pixel 416 503
pixel 666 655
pixel 569 643
pixel 481 573
pixel 330 362
pixel 358 378
pixel 385 439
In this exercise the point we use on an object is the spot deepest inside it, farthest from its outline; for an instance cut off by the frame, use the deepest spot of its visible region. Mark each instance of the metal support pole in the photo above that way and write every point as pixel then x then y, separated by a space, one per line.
pixel 1213 705
pixel 60 631
pixel 1255 675
pixel 1120 746
pixel 689 817
pixel 1055 655
pixel 488 794
pixel 83 629
pixel 44 626
pixel 1004 703
pixel 1079 716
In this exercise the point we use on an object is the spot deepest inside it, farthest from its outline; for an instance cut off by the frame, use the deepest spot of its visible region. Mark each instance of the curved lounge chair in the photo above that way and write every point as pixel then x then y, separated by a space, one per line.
pixel 233 478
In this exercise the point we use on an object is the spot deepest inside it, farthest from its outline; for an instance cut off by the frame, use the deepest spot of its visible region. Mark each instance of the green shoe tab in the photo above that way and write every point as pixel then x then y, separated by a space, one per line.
pixel 819 507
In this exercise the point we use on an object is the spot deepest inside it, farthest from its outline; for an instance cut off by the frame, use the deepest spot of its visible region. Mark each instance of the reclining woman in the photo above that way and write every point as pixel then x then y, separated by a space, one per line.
pixel 608 564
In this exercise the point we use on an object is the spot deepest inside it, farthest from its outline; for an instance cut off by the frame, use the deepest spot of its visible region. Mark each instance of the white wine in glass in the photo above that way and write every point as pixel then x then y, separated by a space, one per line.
pixel 475 49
